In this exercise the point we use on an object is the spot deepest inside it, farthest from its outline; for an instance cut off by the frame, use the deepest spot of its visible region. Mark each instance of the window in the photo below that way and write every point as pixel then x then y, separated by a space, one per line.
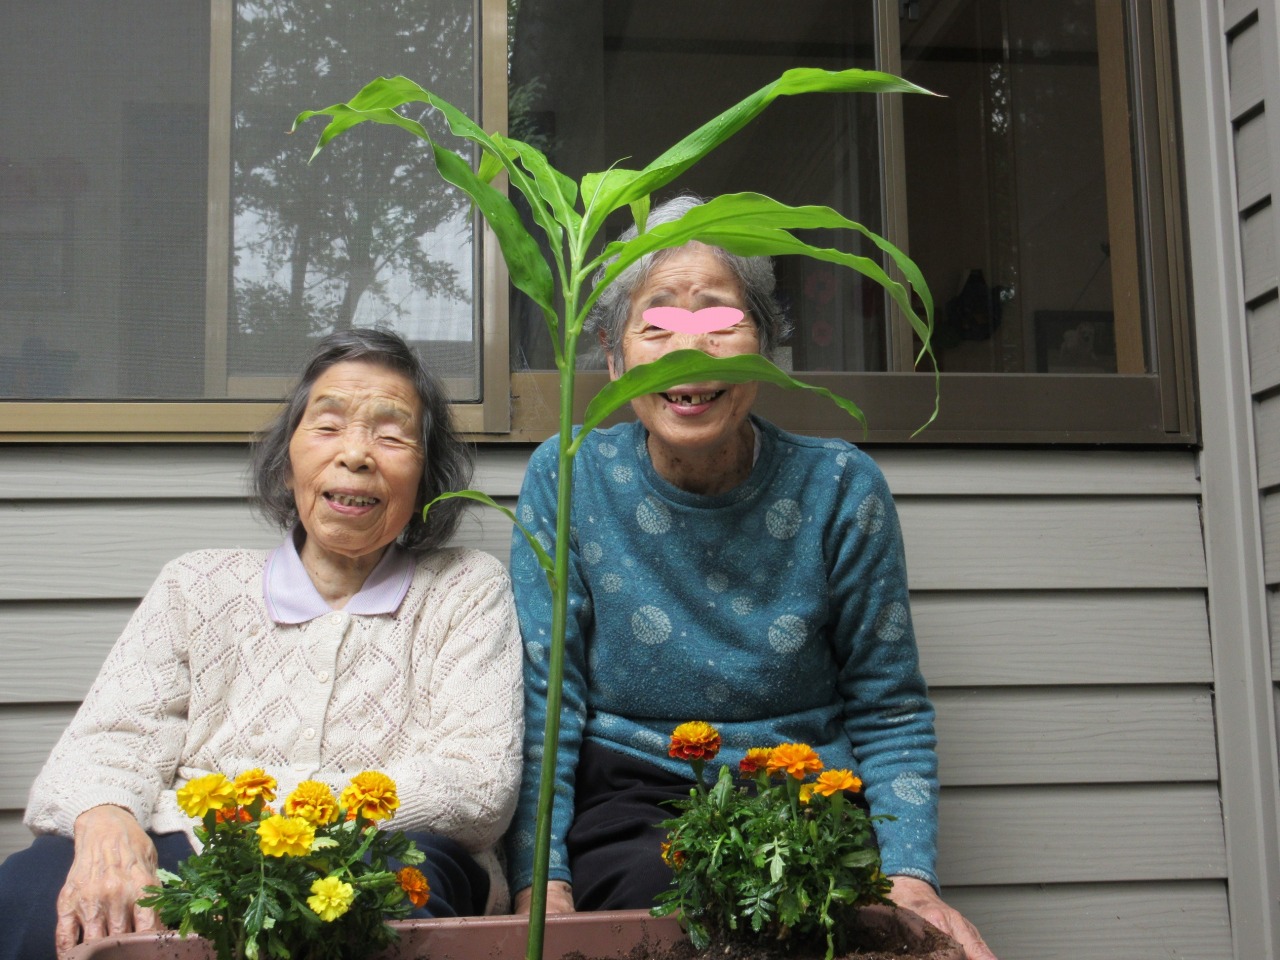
pixel 167 255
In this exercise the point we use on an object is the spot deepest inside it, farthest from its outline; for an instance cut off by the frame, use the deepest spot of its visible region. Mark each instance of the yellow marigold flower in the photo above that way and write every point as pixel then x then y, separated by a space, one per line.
pixel 671 857
pixel 836 781
pixel 694 740
pixel 796 759
pixel 806 792
pixel 330 898
pixel 285 837
pixel 314 802
pixel 757 759
pixel 253 784
pixel 371 795
pixel 413 883
pixel 213 791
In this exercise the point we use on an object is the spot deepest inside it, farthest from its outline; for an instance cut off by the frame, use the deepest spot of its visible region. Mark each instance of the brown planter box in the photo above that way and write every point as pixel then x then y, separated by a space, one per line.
pixel 599 936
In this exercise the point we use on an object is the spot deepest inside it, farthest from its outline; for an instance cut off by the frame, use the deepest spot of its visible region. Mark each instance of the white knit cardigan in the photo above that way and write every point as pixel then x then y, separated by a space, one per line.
pixel 202 680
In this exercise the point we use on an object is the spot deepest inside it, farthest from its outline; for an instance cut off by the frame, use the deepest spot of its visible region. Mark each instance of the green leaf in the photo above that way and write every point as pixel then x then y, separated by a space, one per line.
pixel 544 558
pixel 686 366
pixel 618 190
pixel 559 191
pixel 640 213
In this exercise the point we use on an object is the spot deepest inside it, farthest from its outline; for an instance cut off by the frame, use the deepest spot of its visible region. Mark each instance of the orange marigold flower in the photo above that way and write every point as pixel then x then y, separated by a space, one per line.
pixel 672 857
pixel 314 802
pixel 233 814
pixel 213 791
pixel 285 836
pixel 253 784
pixel 371 795
pixel 413 883
pixel 836 781
pixel 757 759
pixel 694 740
pixel 796 759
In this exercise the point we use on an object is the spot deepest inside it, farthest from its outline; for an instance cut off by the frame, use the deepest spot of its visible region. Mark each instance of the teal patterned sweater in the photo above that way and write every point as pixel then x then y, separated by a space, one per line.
pixel 777 612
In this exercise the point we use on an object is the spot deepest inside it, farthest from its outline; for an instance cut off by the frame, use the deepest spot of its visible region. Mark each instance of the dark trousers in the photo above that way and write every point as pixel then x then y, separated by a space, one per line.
pixel 31 879
pixel 615 845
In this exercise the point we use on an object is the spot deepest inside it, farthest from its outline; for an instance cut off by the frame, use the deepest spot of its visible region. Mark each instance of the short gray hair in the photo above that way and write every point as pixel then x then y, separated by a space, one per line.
pixel 448 459
pixel 608 317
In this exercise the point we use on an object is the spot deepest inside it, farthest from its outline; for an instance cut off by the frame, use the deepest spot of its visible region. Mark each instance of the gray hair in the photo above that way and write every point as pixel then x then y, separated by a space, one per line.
pixel 447 463
pixel 608 317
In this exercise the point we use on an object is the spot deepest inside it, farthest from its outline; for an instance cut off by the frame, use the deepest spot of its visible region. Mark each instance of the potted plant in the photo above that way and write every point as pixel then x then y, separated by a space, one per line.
pixel 570 215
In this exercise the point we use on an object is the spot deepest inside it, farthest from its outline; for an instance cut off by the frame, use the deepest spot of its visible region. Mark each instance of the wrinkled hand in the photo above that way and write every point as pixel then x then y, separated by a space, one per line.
pixel 114 860
pixel 559 898
pixel 919 897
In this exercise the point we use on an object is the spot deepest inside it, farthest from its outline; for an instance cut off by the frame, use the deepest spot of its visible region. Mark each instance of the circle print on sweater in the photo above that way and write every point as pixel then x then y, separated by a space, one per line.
pixel 783 519
pixel 911 788
pixel 622 474
pixel 891 623
pixel 871 514
pixel 650 626
pixel 653 516
pixel 787 634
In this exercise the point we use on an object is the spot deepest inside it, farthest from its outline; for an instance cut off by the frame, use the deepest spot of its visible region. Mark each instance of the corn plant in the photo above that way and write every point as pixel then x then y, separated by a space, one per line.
pixel 571 215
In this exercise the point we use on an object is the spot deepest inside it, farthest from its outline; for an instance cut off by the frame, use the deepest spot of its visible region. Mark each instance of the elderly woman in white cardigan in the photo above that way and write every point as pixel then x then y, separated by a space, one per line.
pixel 359 643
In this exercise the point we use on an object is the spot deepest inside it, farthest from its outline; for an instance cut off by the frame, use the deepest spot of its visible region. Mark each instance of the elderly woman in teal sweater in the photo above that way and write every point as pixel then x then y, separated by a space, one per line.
pixel 722 570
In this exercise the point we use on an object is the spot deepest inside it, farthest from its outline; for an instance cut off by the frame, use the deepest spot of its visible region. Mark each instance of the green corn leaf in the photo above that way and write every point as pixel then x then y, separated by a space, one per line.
pixel 616 191
pixel 544 558
pixel 687 366
pixel 640 213
pixel 558 191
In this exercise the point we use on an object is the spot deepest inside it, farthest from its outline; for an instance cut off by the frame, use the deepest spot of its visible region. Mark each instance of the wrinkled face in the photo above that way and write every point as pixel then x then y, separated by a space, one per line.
pixel 693 417
pixel 356 459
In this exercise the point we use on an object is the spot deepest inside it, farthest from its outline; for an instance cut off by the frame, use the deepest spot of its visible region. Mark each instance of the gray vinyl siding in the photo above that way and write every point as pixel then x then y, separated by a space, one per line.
pixel 1059 600
pixel 1252 54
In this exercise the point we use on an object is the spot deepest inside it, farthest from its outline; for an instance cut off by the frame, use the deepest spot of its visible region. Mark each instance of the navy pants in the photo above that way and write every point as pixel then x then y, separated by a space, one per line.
pixel 31 879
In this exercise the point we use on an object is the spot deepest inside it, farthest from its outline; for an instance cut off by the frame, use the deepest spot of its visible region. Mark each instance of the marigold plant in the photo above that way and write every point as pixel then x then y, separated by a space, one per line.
pixel 318 881
pixel 773 854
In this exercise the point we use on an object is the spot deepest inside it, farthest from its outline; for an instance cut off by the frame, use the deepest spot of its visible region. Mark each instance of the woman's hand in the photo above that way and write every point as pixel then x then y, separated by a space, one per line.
pixel 114 860
pixel 559 898
pixel 920 897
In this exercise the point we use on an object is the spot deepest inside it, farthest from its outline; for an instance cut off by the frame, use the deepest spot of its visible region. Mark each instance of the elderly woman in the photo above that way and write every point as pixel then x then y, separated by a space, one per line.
pixel 722 570
pixel 361 642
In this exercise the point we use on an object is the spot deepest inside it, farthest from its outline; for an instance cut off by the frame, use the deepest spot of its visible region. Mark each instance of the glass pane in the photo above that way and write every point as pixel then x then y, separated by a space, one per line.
pixel 103 180
pixel 595 83
pixel 367 234
pixel 1009 212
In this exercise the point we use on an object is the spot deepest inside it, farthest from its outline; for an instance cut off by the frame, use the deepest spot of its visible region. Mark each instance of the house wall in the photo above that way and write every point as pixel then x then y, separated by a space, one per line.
pixel 1059 599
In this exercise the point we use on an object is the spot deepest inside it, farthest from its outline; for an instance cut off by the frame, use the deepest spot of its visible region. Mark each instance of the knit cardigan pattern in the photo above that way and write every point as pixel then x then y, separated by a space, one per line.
pixel 777 611
pixel 202 681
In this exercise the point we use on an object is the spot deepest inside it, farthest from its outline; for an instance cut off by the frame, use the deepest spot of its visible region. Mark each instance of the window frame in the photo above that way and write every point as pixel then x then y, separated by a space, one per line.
pixel 1002 408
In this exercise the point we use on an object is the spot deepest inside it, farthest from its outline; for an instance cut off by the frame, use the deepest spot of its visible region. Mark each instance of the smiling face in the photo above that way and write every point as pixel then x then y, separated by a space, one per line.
pixel 699 436
pixel 355 463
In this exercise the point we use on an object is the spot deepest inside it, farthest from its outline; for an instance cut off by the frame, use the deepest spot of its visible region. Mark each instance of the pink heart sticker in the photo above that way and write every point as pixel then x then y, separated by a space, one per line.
pixel 680 320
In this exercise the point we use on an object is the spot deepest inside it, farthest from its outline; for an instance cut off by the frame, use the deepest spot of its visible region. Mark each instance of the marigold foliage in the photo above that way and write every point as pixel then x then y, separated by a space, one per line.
pixel 305 885
pixel 755 860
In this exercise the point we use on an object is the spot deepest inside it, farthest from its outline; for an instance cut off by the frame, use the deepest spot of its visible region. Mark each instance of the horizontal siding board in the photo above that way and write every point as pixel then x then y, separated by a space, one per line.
pixel 1258 249
pixel 1253 161
pixel 14 835
pixel 1264 346
pixel 1063 637
pixel 1101 921
pixel 30 731
pixel 1052 543
pixel 194 471
pixel 52 651
pixel 1271 537
pixel 80 550
pixel 993 473
pixel 1267 432
pixel 1245 68
pixel 1011 835
pixel 1078 735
